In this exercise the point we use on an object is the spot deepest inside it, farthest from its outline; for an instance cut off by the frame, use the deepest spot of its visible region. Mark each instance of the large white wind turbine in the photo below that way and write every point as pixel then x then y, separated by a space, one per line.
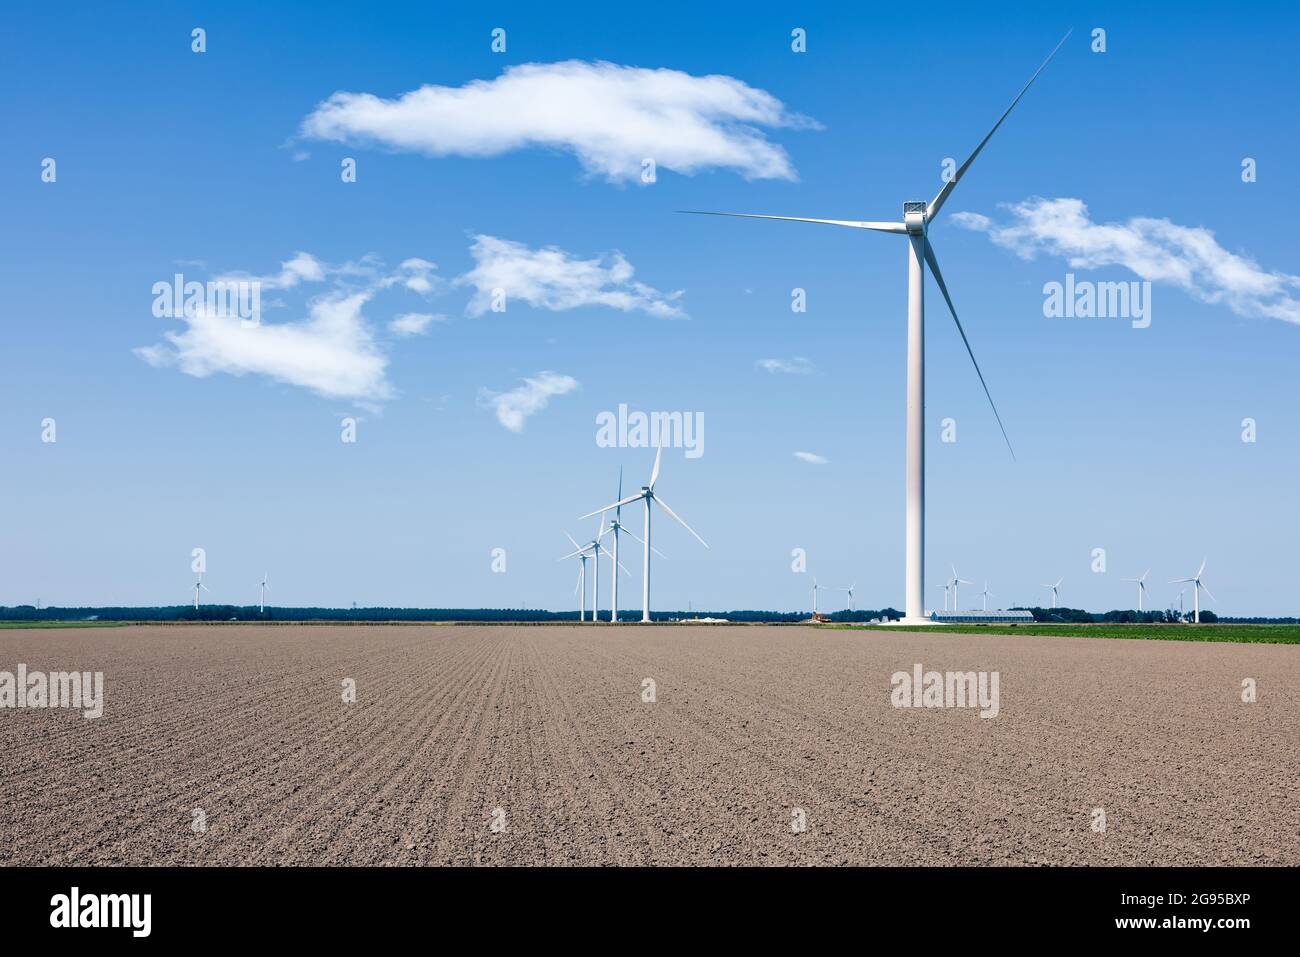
pixel 920 253
pixel 956 581
pixel 1142 586
pixel 648 494
pixel 986 594
pixel 1197 586
pixel 1055 588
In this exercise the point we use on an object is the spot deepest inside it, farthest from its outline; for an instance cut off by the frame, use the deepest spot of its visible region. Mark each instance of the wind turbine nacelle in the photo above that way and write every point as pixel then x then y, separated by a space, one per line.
pixel 914 217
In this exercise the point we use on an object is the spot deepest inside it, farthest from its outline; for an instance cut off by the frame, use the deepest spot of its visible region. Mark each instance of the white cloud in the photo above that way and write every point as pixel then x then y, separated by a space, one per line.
pixel 414 323
pixel 332 352
pixel 416 275
pixel 797 365
pixel 611 117
pixel 1158 250
pixel 515 406
pixel 550 278
pixel 812 457
pixel 303 267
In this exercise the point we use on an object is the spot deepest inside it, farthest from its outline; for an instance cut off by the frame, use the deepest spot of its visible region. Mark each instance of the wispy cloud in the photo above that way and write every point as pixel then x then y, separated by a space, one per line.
pixel 797 365
pixel 1157 250
pixel 414 323
pixel 611 117
pixel 331 352
pixel 514 407
pixel 812 458
pixel 303 267
pixel 550 278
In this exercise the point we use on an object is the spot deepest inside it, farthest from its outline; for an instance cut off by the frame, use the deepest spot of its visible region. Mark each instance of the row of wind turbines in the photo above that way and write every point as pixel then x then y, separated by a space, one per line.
pixel 261 599
pixel 1196 581
pixel 594 549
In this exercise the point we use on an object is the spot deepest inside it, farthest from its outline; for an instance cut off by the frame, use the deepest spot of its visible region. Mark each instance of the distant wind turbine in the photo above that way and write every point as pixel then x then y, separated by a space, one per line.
pixel 581 555
pixel 596 549
pixel 1197 586
pixel 986 594
pixel 648 495
pixel 1054 589
pixel 1142 586
pixel 261 603
pixel 917 216
pixel 956 581
pixel 199 585
pixel 945 588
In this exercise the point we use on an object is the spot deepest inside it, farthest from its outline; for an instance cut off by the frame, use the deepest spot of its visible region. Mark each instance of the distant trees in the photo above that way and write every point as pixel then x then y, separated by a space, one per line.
pixel 250 613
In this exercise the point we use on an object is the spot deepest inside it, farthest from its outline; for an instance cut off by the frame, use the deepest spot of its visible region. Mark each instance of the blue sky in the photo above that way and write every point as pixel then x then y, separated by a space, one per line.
pixel 169 160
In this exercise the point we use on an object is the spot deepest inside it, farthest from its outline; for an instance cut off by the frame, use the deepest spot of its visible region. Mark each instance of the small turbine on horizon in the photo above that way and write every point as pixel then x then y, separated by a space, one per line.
pixel 985 593
pixel 1055 588
pixel 1142 585
pixel 261 602
pixel 1197 586
pixel 197 586
pixel 957 581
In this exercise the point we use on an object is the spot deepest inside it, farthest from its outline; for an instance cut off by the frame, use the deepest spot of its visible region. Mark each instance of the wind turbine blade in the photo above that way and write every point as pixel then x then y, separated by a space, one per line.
pixel 851 223
pixel 943 288
pixel 620 491
pixel 1179 581
pixel 1144 575
pixel 1201 571
pixel 937 203
pixel 1058 582
pixel 637 538
pixel 1208 592
pixel 571 555
pixel 664 505
pixel 621 502
pixel 659 454
pixel 571 541
pixel 620 564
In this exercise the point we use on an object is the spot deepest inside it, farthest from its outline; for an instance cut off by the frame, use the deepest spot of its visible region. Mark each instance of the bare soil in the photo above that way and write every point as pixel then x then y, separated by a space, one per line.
pixel 544 731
